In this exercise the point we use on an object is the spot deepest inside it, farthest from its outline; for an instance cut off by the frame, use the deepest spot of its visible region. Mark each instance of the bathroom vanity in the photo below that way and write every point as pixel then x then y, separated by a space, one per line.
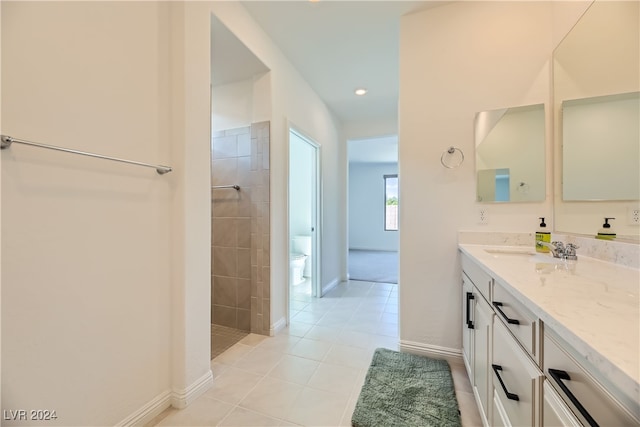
pixel 548 342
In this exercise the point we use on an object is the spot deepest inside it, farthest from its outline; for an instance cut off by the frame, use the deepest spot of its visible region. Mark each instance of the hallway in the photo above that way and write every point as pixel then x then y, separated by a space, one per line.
pixel 310 373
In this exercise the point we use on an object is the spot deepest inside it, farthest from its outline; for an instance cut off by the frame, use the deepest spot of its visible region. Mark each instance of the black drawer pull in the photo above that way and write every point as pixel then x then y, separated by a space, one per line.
pixel 470 296
pixel 511 396
pixel 497 305
pixel 558 376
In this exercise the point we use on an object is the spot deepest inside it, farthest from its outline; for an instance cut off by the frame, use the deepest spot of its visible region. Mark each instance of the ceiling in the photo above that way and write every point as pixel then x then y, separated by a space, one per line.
pixel 231 60
pixel 338 46
pixel 373 150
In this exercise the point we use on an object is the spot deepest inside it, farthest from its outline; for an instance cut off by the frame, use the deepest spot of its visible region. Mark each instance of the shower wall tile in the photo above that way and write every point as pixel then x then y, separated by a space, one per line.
pixel 225 291
pixel 224 203
pixel 240 227
pixel 266 292
pixel 266 308
pixel 244 320
pixel 224 172
pixel 225 147
pixel 254 281
pixel 244 263
pixel 244 145
pixel 256 158
pixel 225 232
pixel 244 294
pixel 259 325
pixel 238 131
pixel 266 255
pixel 225 316
pixel 254 315
pixel 265 157
pixel 244 202
pixel 225 261
pixel 244 232
pixel 245 177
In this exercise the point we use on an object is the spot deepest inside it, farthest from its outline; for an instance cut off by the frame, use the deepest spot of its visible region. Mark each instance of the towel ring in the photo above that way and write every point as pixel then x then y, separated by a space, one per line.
pixel 451 151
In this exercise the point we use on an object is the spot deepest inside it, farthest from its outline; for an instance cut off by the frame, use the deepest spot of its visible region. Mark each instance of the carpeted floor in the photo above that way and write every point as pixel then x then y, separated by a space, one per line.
pixel 404 389
pixel 373 266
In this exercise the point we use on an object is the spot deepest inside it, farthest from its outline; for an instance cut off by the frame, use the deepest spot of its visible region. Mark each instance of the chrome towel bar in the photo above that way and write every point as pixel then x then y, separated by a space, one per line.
pixel 8 140
pixel 235 187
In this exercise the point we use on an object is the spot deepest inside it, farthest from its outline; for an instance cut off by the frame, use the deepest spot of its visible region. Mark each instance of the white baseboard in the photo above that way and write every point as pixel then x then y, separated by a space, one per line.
pixel 452 355
pixel 148 411
pixel 332 284
pixel 278 326
pixel 182 398
pixel 374 249
pixel 176 398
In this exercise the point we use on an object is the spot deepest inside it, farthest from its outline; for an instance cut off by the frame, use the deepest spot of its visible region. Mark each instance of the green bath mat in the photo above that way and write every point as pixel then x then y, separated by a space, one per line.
pixel 403 389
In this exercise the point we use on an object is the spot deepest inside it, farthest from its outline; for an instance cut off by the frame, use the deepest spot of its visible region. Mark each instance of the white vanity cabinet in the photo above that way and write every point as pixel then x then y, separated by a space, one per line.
pixel 521 322
pixel 476 333
pixel 523 372
pixel 516 380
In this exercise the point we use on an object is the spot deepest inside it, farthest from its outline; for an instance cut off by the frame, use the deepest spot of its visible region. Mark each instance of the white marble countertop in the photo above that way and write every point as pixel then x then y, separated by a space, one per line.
pixel 594 305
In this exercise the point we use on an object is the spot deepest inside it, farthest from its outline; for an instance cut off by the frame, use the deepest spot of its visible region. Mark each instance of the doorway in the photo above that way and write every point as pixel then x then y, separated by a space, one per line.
pixel 304 221
pixel 373 209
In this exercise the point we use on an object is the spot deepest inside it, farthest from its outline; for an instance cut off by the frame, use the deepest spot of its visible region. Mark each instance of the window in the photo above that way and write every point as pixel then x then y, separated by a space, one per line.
pixel 391 202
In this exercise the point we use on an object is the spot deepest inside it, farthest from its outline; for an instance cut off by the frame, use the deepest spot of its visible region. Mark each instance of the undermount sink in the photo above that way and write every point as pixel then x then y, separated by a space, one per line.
pixel 510 251
pixel 524 253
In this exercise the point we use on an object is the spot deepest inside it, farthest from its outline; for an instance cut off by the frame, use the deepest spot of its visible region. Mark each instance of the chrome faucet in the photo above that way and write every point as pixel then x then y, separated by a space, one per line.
pixel 556 248
pixel 559 250
pixel 570 252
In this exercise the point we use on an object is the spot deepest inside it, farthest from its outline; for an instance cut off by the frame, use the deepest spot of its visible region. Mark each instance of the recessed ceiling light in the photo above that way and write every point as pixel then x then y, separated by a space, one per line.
pixel 361 91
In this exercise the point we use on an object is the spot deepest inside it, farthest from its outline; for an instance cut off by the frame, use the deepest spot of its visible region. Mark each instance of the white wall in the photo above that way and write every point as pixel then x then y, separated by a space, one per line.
pixel 86 243
pixel 301 170
pixel 367 206
pixel 241 103
pixel 232 105
pixel 293 100
pixel 456 60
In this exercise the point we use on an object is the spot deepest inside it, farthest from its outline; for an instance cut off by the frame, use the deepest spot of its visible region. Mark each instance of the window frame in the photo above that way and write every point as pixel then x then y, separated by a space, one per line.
pixel 386 198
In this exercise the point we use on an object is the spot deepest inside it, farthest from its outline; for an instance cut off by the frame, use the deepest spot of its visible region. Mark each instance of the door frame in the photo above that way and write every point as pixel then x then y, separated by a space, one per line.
pixel 316 214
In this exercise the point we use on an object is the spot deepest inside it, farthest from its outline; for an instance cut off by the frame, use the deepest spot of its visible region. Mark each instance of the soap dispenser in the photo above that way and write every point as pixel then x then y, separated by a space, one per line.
pixel 606 233
pixel 542 235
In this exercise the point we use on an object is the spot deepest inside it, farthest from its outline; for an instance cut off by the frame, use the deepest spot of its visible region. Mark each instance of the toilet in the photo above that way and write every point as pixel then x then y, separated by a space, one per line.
pixel 300 262
pixel 297 268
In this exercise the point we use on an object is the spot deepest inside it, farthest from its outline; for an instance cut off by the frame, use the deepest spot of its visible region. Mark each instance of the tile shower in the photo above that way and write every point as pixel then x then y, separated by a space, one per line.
pixel 240 234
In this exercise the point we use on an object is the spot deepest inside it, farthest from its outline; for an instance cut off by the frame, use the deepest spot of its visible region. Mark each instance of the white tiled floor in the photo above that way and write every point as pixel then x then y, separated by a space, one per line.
pixel 311 373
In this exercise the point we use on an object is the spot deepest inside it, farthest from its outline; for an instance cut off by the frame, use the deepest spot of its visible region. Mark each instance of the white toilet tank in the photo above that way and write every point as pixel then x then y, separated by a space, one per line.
pixel 302 245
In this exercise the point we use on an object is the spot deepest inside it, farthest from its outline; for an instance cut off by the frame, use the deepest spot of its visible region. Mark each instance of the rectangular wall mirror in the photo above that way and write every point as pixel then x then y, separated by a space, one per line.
pixel 510 165
pixel 596 81
pixel 601 148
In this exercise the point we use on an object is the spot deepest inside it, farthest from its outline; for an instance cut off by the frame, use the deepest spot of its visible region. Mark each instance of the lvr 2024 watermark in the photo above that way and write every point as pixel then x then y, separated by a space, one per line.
pixel 29 415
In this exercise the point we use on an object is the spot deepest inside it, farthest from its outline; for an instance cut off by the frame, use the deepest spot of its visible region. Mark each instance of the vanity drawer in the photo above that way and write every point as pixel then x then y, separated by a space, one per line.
pixel 521 322
pixel 588 400
pixel 516 381
pixel 478 276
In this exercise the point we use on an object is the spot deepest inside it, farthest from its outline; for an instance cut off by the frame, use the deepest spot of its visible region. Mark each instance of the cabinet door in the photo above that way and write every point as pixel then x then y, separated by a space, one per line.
pixel 483 317
pixel 516 380
pixel 554 411
pixel 467 324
